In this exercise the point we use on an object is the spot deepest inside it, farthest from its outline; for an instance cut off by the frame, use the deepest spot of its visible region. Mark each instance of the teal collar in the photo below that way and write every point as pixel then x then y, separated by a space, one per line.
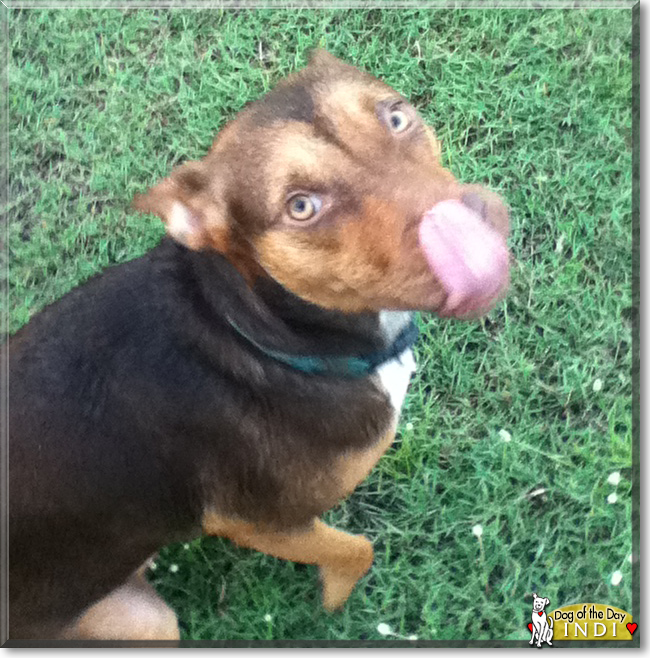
pixel 338 366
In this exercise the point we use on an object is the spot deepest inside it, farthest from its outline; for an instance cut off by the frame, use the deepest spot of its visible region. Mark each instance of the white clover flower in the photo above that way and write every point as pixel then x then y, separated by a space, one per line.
pixel 617 576
pixel 409 427
pixel 153 566
pixel 412 638
pixel 186 546
pixel 477 530
pixel 612 498
pixel 630 559
pixel 505 436
pixel 384 629
pixel 268 618
pixel 173 568
pixel 614 478
pixel 597 385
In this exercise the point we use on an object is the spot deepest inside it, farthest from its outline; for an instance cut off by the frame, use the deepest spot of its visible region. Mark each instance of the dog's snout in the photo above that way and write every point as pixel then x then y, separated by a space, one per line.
pixel 476 203
pixel 487 205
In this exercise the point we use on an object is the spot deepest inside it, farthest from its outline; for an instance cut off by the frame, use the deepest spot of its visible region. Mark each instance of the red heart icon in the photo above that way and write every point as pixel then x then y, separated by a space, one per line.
pixel 530 627
pixel 540 613
pixel 631 628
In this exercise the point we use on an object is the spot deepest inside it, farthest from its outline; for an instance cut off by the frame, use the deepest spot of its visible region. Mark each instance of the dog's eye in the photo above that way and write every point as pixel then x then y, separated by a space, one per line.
pixel 303 206
pixel 397 116
pixel 398 121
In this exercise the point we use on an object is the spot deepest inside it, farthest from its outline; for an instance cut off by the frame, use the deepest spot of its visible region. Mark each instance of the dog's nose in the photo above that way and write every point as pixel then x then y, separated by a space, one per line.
pixel 487 205
pixel 475 202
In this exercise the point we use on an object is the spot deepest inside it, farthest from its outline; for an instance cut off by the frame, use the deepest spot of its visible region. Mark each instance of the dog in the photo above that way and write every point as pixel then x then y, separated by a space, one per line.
pixel 245 375
pixel 541 627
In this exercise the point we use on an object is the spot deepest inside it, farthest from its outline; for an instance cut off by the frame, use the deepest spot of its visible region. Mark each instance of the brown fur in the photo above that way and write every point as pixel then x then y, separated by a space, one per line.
pixel 345 151
pixel 219 435
pixel 341 557
pixel 364 260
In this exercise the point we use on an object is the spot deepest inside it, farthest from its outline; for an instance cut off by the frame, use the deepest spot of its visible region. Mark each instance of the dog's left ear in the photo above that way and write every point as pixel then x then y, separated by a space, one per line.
pixel 320 58
pixel 547 602
pixel 192 211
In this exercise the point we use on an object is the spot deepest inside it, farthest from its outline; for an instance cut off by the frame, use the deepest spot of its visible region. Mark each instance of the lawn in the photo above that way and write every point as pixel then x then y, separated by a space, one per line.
pixel 513 423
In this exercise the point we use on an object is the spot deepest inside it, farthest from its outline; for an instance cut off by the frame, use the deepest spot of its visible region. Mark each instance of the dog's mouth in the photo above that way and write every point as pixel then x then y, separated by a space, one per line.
pixel 468 257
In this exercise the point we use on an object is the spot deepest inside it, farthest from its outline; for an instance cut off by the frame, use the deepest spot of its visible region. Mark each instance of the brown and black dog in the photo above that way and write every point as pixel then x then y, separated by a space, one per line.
pixel 246 374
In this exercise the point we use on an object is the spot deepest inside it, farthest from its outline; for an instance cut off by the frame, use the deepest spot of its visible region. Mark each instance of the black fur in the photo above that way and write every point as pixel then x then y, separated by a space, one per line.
pixel 134 406
pixel 285 102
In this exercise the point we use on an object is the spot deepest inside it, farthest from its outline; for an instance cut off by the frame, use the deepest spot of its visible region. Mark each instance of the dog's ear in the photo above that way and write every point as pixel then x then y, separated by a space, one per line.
pixel 534 595
pixel 192 211
pixel 547 602
pixel 320 58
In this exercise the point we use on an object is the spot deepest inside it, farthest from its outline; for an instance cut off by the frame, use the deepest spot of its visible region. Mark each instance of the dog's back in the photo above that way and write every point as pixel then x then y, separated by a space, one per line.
pixel 134 407
pixel 83 445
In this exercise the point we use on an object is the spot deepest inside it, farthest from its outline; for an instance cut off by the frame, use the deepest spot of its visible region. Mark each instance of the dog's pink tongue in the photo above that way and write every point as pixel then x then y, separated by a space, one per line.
pixel 469 258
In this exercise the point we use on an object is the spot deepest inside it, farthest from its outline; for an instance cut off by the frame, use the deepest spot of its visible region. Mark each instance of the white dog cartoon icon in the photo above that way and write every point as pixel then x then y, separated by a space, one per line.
pixel 540 627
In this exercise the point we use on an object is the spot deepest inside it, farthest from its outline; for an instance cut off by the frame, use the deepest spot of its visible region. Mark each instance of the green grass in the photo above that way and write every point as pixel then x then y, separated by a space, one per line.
pixel 536 104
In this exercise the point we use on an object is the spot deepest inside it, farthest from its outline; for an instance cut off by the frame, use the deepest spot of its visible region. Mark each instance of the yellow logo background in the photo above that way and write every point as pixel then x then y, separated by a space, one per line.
pixel 590 621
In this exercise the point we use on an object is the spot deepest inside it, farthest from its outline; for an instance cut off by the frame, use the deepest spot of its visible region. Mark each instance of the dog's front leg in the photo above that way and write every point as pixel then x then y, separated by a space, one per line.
pixel 342 558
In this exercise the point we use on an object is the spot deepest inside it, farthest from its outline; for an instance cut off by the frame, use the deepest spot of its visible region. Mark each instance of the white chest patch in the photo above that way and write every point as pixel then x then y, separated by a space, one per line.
pixel 395 376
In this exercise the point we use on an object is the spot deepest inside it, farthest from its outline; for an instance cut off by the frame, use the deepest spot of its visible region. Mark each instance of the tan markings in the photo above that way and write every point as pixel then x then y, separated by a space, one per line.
pixel 319 57
pixel 353 99
pixel 133 611
pixel 193 213
pixel 342 558
pixel 433 140
pixel 297 153
pixel 227 138
pixel 353 467
pixel 370 262
pixel 350 107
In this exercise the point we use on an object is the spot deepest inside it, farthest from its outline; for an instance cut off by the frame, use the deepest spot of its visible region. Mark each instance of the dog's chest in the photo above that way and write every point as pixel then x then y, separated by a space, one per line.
pixel 394 375
pixel 394 378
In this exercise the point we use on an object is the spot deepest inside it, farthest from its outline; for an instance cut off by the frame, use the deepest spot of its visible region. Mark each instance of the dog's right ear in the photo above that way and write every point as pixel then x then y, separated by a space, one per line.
pixel 193 213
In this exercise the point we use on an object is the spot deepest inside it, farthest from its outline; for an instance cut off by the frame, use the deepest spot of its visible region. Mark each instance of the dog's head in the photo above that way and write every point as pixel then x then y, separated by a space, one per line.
pixel 332 185
pixel 539 603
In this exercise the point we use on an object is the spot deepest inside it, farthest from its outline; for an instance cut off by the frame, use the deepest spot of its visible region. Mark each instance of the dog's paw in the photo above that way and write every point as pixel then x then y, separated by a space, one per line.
pixel 339 579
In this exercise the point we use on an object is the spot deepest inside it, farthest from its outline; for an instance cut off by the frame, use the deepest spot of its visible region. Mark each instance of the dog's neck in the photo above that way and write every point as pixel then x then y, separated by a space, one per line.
pixel 333 331
pixel 276 321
